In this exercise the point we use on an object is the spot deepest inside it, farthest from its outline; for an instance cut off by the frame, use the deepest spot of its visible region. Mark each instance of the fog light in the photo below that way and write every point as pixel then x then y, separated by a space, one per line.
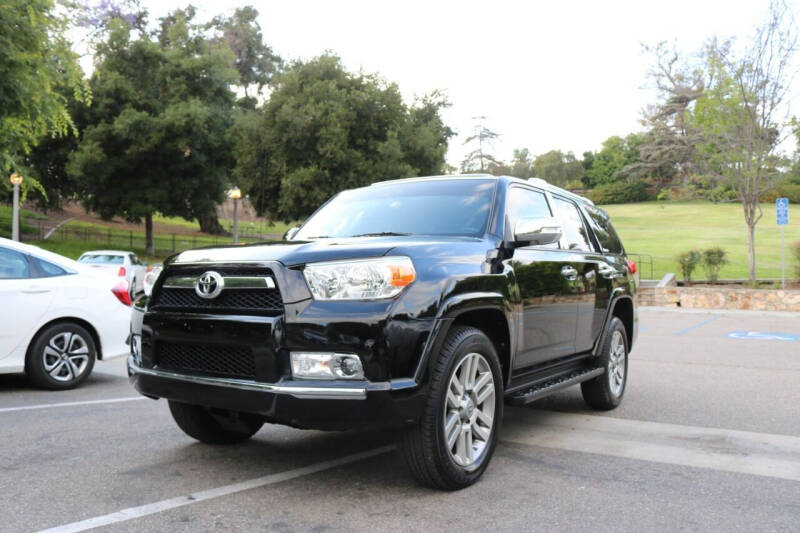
pixel 322 365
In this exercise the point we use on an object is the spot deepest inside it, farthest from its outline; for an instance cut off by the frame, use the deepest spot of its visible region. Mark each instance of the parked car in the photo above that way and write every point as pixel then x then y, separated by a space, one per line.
pixel 58 316
pixel 421 304
pixel 124 264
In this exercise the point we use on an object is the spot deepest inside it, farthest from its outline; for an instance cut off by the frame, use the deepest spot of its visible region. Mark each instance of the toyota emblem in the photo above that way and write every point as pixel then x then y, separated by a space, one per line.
pixel 209 285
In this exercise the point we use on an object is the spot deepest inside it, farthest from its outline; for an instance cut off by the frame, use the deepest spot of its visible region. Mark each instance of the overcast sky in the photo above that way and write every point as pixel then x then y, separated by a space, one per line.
pixel 556 74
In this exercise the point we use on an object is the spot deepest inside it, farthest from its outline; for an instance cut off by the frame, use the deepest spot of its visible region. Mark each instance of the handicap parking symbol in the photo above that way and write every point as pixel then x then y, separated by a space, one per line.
pixel 763 336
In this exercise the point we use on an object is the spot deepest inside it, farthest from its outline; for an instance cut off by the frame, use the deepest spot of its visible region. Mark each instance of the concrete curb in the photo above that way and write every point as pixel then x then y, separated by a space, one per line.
pixel 734 312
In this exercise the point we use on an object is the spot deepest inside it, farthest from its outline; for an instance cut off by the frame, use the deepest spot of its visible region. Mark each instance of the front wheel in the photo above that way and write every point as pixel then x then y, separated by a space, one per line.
pixel 214 426
pixel 61 357
pixel 453 443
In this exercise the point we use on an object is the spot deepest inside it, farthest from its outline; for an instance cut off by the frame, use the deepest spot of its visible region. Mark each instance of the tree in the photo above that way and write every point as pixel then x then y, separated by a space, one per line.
pixel 157 142
pixel 668 149
pixel 521 164
pixel 557 167
pixel 743 116
pixel 37 67
pixel 480 159
pixel 255 62
pixel 324 129
pixel 617 155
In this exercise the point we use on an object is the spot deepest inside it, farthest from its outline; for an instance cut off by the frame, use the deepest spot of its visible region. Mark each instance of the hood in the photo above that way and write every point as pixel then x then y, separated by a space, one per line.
pixel 292 253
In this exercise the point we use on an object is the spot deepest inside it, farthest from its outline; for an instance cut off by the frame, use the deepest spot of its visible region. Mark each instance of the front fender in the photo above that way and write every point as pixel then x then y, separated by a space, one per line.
pixel 448 312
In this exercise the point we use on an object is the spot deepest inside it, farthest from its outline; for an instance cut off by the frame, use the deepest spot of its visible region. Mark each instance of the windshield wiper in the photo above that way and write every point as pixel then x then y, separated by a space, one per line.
pixel 383 234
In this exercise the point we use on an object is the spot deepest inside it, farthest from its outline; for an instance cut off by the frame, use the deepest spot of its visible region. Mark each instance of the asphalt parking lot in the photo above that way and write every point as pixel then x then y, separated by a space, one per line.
pixel 707 438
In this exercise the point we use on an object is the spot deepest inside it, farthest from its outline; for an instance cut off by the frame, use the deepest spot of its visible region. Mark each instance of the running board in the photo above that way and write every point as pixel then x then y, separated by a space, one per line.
pixel 530 394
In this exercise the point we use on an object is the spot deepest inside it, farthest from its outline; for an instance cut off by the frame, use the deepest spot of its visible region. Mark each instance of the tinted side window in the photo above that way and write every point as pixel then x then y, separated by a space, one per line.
pixel 575 234
pixel 525 203
pixel 13 265
pixel 604 231
pixel 48 270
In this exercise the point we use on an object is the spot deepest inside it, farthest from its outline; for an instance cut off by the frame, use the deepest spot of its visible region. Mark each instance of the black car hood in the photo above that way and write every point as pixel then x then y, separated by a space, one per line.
pixel 292 253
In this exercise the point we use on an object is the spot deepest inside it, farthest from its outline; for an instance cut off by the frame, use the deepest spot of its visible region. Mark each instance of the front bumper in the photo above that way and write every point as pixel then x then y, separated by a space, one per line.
pixel 332 405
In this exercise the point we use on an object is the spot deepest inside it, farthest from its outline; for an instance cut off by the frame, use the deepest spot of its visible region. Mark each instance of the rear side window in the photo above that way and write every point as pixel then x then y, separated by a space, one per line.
pixel 604 231
pixel 13 265
pixel 48 270
pixel 576 235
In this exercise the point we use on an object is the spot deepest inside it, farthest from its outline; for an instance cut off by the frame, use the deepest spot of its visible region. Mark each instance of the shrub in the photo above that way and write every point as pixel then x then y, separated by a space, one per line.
pixel 787 190
pixel 713 260
pixel 687 262
pixel 619 193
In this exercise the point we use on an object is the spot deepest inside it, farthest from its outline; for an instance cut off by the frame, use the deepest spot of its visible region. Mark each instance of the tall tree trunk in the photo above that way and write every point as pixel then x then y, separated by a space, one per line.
pixel 150 248
pixel 209 223
pixel 751 251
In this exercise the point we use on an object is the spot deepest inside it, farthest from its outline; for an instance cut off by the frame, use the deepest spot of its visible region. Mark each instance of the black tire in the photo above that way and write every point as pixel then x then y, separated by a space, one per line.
pixel 424 447
pixel 61 356
pixel 214 426
pixel 599 393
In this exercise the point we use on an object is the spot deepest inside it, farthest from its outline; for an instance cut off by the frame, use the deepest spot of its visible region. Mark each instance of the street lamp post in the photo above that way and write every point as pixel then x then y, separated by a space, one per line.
pixel 235 194
pixel 16 181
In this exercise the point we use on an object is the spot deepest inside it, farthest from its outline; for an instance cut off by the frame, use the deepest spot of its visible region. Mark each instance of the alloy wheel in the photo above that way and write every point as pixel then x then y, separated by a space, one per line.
pixel 617 361
pixel 469 410
pixel 66 356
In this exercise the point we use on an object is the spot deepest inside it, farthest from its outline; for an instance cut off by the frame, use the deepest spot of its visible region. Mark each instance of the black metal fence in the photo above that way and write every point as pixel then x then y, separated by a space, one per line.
pixel 164 244
pixel 644 263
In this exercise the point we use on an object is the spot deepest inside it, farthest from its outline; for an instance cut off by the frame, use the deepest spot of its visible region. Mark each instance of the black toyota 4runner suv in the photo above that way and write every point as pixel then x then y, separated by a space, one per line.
pixel 422 304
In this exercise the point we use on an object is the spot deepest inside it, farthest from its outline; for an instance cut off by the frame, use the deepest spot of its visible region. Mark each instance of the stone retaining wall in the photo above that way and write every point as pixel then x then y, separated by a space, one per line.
pixel 721 298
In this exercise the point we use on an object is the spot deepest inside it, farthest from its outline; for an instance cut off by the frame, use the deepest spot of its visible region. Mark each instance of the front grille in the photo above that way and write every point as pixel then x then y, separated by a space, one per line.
pixel 251 301
pixel 223 361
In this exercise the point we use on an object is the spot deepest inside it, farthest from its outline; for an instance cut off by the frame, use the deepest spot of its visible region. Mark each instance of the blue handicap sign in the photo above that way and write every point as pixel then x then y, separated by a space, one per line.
pixel 763 336
pixel 782 211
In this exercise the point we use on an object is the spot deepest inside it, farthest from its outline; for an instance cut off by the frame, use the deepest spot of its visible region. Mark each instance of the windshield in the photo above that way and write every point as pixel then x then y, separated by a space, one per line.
pixel 102 259
pixel 436 207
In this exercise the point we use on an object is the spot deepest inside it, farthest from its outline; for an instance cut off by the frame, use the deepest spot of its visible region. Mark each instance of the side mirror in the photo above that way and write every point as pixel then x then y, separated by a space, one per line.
pixel 289 235
pixel 537 231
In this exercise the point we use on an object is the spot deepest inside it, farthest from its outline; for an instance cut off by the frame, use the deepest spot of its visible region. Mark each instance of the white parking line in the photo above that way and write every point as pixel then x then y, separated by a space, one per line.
pixel 180 501
pixel 69 404
pixel 744 452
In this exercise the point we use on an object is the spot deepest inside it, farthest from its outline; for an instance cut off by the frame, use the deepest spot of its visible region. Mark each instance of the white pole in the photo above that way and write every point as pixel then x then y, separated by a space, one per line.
pixel 783 258
pixel 15 215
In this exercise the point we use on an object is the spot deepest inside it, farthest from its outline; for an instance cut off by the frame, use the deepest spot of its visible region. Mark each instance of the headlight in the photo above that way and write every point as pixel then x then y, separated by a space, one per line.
pixel 361 279
pixel 150 278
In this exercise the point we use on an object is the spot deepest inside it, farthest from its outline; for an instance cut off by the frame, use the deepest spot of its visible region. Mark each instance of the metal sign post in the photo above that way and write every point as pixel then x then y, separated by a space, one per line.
pixel 782 216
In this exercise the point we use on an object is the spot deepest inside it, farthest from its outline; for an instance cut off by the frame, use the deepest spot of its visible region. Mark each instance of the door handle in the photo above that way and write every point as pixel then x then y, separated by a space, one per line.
pixel 35 290
pixel 569 272
pixel 610 273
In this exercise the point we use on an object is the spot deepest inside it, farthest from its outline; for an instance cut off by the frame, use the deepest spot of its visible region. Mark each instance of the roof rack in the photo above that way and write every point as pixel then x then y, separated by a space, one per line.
pixel 564 192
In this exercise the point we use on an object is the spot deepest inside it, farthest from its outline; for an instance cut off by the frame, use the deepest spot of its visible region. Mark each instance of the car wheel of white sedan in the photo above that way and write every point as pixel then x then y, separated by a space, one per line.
pixel 61 356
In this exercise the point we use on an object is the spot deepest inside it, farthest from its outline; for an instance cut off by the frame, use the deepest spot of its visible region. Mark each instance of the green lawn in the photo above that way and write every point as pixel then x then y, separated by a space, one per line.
pixel 660 229
pixel 664 229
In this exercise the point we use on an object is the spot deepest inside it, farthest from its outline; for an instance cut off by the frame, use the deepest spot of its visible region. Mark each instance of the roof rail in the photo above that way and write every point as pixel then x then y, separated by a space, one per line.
pixel 552 188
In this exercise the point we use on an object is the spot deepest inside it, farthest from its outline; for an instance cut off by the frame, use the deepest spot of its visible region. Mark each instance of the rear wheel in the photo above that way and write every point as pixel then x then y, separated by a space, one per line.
pixel 453 443
pixel 61 356
pixel 214 426
pixel 605 391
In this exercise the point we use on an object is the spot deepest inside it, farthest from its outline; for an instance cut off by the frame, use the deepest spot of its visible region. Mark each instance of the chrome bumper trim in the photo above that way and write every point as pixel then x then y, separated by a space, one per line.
pixel 303 392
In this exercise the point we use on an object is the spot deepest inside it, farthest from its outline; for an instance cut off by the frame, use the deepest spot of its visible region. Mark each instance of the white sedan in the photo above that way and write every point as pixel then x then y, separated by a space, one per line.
pixel 58 316
pixel 120 263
